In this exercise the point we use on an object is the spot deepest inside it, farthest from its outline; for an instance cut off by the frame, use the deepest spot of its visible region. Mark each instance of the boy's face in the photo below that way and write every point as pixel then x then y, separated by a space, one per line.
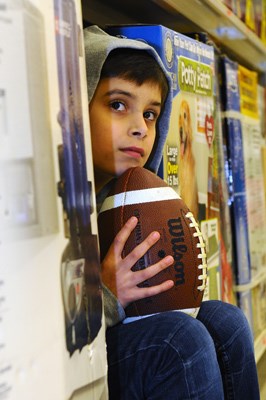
pixel 123 120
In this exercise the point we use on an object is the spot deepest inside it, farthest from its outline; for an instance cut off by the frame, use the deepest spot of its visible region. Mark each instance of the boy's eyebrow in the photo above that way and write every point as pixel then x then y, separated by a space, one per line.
pixel 128 94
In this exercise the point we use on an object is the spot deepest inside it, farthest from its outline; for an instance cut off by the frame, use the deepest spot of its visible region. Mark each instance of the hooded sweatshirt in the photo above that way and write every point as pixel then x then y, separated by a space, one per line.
pixel 98 44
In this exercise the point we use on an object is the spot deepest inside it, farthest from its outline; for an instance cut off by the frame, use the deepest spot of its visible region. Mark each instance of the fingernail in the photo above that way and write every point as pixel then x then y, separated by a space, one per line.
pixel 155 235
pixel 169 259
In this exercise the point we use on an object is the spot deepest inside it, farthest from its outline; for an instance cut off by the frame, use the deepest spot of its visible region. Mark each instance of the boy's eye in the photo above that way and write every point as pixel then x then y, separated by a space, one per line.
pixel 117 105
pixel 150 115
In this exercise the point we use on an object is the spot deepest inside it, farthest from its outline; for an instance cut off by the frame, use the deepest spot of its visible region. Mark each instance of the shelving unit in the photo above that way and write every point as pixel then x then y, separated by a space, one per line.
pixel 261 277
pixel 260 341
pixel 215 18
pixel 211 16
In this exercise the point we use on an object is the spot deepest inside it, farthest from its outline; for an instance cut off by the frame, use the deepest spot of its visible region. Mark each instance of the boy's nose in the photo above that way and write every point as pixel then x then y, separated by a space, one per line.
pixel 138 127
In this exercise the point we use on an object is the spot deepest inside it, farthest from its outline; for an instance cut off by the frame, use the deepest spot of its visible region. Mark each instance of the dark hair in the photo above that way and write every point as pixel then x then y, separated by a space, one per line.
pixel 136 66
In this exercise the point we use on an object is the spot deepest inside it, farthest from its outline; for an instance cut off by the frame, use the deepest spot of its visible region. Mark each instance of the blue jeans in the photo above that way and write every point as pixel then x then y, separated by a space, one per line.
pixel 174 356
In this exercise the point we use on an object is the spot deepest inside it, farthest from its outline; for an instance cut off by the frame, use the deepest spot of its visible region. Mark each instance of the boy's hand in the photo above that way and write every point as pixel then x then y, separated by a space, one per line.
pixel 117 274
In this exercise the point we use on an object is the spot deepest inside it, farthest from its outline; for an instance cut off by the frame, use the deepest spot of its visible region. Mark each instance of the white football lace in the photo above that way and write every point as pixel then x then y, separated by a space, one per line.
pixel 202 256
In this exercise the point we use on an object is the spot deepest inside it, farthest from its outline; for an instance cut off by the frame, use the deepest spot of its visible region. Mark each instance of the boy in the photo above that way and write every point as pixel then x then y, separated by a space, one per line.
pixel 168 355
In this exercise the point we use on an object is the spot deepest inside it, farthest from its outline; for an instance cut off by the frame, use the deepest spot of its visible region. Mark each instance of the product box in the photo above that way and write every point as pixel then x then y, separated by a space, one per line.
pixel 226 237
pixel 254 179
pixel 233 140
pixel 246 12
pixel 258 15
pixel 253 14
pixel 262 109
pixel 220 185
pixel 263 22
pixel 231 4
pixel 210 231
pixel 190 156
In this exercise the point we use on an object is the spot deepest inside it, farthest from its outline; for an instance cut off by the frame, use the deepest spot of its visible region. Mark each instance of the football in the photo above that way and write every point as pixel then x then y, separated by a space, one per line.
pixel 158 207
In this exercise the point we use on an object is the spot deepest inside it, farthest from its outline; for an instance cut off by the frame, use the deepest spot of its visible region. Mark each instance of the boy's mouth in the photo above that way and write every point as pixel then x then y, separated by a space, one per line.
pixel 135 152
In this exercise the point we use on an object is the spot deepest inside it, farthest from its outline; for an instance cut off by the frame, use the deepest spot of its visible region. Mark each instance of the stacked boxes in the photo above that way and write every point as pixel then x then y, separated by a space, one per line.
pixel 244 142
pixel 234 150
pixel 253 141
pixel 220 184
pixel 232 130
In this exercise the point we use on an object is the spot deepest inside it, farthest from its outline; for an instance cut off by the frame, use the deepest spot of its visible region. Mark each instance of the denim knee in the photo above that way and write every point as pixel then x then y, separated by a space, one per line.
pixel 171 355
pixel 225 322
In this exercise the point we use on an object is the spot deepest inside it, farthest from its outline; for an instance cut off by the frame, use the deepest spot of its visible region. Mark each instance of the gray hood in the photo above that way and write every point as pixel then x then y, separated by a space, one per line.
pixel 98 44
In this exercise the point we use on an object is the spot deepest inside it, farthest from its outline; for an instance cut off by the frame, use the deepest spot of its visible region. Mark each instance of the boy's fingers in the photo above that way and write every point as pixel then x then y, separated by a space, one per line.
pixel 149 272
pixel 122 236
pixel 153 290
pixel 141 249
pixel 134 292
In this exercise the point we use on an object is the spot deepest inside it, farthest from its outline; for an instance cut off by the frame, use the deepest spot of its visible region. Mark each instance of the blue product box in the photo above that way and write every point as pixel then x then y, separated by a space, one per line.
pixel 236 171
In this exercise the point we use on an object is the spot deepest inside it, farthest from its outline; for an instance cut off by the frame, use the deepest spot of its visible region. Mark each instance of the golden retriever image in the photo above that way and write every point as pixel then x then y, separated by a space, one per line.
pixel 186 162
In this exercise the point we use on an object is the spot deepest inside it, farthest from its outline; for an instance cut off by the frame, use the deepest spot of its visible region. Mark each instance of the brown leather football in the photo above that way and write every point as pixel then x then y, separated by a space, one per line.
pixel 158 207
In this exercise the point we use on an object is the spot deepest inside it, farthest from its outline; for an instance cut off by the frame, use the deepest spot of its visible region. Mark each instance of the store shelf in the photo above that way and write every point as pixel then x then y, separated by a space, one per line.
pixel 216 19
pixel 260 341
pixel 261 277
pixel 210 16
